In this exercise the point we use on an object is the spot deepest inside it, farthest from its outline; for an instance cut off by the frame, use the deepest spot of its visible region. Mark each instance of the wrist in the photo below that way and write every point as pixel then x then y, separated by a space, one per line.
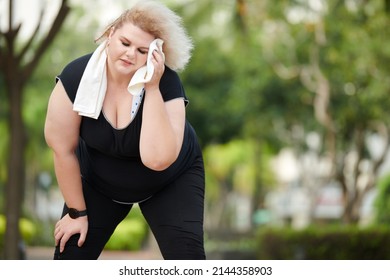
pixel 74 213
pixel 152 87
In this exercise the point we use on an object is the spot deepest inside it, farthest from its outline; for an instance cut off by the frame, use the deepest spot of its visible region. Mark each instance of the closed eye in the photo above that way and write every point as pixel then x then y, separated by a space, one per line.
pixel 143 51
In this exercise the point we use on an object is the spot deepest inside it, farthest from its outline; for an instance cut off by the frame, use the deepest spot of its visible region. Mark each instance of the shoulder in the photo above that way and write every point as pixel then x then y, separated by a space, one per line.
pixel 76 66
pixel 170 85
pixel 170 76
pixel 72 73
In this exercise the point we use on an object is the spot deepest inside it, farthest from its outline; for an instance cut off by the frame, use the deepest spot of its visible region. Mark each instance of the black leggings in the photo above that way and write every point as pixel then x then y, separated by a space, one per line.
pixel 174 214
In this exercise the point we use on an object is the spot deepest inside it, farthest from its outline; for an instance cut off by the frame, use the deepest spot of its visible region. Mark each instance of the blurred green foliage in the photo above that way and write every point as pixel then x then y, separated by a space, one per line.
pixel 28 230
pixel 382 202
pixel 242 107
pixel 130 234
pixel 324 243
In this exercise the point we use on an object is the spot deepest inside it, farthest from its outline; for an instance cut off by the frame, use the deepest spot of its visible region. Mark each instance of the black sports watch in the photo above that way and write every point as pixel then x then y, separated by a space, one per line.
pixel 74 213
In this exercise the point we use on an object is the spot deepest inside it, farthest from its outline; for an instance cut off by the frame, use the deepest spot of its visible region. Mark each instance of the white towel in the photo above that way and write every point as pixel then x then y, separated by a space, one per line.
pixel 93 85
pixel 145 73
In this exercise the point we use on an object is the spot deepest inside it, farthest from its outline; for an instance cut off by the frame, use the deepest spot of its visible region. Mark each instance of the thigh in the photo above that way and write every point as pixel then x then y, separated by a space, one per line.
pixel 103 217
pixel 175 216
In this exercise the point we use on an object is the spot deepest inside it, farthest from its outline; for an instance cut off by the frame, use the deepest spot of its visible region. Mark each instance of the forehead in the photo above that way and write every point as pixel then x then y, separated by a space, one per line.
pixel 134 34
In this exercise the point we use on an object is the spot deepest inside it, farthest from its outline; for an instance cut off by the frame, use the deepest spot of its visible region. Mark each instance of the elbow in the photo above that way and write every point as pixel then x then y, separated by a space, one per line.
pixel 59 145
pixel 51 136
pixel 52 141
pixel 48 138
pixel 158 163
pixel 158 158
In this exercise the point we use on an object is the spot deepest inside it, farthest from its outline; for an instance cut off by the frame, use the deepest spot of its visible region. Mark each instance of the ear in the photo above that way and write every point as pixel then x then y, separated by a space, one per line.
pixel 112 30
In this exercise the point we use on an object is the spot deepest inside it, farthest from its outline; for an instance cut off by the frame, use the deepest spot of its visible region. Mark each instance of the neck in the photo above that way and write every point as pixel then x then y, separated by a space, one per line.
pixel 120 81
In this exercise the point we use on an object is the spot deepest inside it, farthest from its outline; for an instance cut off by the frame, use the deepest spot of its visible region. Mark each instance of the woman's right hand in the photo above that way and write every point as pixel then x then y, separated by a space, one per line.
pixel 66 227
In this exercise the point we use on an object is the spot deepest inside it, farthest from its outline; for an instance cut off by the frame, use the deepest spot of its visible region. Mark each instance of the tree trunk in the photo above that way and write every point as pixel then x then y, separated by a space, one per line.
pixel 387 6
pixel 16 168
pixel 16 75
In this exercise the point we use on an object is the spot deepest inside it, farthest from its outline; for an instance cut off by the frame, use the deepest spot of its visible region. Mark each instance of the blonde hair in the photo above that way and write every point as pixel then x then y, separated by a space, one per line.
pixel 158 20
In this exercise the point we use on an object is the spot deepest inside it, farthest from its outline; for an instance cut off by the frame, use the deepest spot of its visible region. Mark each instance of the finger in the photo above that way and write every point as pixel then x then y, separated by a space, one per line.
pixel 64 239
pixel 56 230
pixel 157 55
pixel 57 238
pixel 158 64
pixel 81 239
pixel 154 59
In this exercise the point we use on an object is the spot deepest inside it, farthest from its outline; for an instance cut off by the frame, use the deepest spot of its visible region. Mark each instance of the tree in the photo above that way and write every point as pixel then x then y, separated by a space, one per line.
pixel 330 64
pixel 17 65
pixel 234 93
pixel 382 202
pixel 232 171
pixel 338 51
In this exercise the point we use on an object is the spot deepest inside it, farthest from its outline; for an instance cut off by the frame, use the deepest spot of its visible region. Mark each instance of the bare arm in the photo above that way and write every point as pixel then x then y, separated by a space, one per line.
pixel 62 134
pixel 162 123
pixel 162 131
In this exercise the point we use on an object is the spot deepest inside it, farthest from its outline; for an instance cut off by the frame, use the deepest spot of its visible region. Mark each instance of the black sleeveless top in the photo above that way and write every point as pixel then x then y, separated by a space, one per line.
pixel 110 159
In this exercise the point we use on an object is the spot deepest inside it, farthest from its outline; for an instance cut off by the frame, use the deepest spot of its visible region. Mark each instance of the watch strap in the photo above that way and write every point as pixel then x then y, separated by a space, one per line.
pixel 74 213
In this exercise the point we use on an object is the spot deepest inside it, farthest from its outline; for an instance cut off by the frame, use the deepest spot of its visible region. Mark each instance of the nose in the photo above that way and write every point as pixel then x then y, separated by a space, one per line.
pixel 130 52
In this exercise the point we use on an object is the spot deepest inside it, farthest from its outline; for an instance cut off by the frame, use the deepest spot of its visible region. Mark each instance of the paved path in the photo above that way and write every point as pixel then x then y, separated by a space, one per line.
pixel 46 253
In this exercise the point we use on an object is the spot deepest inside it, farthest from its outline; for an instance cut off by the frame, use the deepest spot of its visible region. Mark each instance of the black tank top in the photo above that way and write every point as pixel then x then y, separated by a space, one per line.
pixel 110 159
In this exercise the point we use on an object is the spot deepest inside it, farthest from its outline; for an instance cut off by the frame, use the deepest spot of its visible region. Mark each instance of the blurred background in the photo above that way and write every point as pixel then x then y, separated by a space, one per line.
pixel 290 100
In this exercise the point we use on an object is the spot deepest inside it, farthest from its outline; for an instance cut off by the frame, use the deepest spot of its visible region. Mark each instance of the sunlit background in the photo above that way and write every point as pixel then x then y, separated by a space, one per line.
pixel 290 103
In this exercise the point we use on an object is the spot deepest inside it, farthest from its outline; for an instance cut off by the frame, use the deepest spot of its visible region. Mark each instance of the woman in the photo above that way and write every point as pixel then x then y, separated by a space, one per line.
pixel 133 148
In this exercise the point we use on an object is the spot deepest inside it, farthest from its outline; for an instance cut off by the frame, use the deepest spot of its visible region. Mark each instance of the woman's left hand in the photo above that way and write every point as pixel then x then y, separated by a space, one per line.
pixel 158 61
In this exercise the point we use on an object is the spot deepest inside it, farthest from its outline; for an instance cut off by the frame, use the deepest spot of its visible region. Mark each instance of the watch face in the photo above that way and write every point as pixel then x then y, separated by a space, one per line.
pixel 73 213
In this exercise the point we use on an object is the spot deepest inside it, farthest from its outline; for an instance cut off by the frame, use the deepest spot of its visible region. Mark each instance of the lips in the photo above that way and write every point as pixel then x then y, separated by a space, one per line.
pixel 127 62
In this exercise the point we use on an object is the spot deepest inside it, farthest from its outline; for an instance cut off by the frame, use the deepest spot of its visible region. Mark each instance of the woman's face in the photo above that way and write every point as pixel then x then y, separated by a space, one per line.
pixel 128 49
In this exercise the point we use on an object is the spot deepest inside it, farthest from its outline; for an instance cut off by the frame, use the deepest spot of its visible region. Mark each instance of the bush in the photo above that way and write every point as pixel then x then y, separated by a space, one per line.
pixel 28 230
pixel 230 245
pixel 326 243
pixel 129 235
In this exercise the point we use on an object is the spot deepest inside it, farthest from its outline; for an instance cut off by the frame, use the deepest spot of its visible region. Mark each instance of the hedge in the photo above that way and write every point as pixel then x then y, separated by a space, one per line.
pixel 324 243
